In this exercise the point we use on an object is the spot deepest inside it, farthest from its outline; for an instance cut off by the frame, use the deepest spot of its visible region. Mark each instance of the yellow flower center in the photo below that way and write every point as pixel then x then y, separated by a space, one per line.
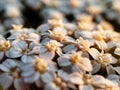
pixel 17 27
pixel 75 58
pixel 40 66
pixel 98 37
pixel 5 45
pixel 23 37
pixel 51 47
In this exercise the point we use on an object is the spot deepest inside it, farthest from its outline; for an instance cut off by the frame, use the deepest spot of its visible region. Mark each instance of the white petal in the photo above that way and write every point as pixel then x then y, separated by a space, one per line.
pixel 20 44
pixel 51 86
pixel 99 80
pixel 32 78
pixel 45 40
pixel 47 77
pixel 117 51
pixel 110 70
pixel 5 80
pixel 27 59
pixel 42 49
pixel 76 68
pixel 47 55
pixel 1 55
pixel 86 64
pixel 86 87
pixel 117 69
pixel 113 77
pixel 69 48
pixel 4 68
pixel 39 83
pixel 59 51
pixel 96 67
pixel 27 73
pixel 62 61
pixel 13 36
pixel 10 63
pixel 111 44
pixel 33 37
pixel 64 75
pixel 19 84
pixel 13 53
pixel 76 78
pixel 69 39
pixel 84 34
pixel 101 44
pixel 52 66
pixel 94 53
pixel 27 67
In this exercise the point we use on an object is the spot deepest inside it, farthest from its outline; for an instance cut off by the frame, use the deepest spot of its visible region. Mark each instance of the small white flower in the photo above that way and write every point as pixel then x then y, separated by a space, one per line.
pixel 102 58
pixel 40 70
pixel 75 60
pixel 24 50
pixel 58 33
pixel 11 75
pixel 48 51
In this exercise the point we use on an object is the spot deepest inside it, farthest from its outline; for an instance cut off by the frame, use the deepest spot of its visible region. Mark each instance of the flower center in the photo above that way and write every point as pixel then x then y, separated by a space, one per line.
pixel 5 45
pixel 51 47
pixel 23 37
pixel 98 37
pixel 15 72
pixel 75 58
pixel 40 66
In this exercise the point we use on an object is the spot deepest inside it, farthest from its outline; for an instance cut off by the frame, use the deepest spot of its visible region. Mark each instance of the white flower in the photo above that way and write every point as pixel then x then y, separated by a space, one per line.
pixel 24 50
pixel 48 51
pixel 25 36
pixel 102 58
pixel 40 70
pixel 58 33
pixel 82 44
pixel 99 40
pixel 55 23
pixel 11 74
pixel 75 60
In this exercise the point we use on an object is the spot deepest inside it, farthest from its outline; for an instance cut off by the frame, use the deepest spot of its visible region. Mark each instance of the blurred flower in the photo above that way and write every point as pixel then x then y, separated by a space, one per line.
pixel 76 61
pixel 12 75
pixel 24 50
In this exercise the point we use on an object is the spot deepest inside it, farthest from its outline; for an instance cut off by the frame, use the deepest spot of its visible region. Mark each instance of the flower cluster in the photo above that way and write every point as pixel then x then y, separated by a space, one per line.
pixel 60 56
pixel 81 54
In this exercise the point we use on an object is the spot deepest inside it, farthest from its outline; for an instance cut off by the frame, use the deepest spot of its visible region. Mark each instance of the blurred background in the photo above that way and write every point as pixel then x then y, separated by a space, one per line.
pixel 32 13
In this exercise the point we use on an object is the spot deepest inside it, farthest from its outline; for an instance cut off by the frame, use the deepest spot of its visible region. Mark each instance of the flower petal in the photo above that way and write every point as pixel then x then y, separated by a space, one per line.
pixel 5 80
pixel 94 53
pixel 20 44
pixel 13 53
pixel 69 48
pixel 86 87
pixel 19 84
pixel 62 61
pixel 51 86
pixel 117 51
pixel 1 55
pixel 47 55
pixel 47 77
pixel 76 78
pixel 27 59
pixel 32 78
